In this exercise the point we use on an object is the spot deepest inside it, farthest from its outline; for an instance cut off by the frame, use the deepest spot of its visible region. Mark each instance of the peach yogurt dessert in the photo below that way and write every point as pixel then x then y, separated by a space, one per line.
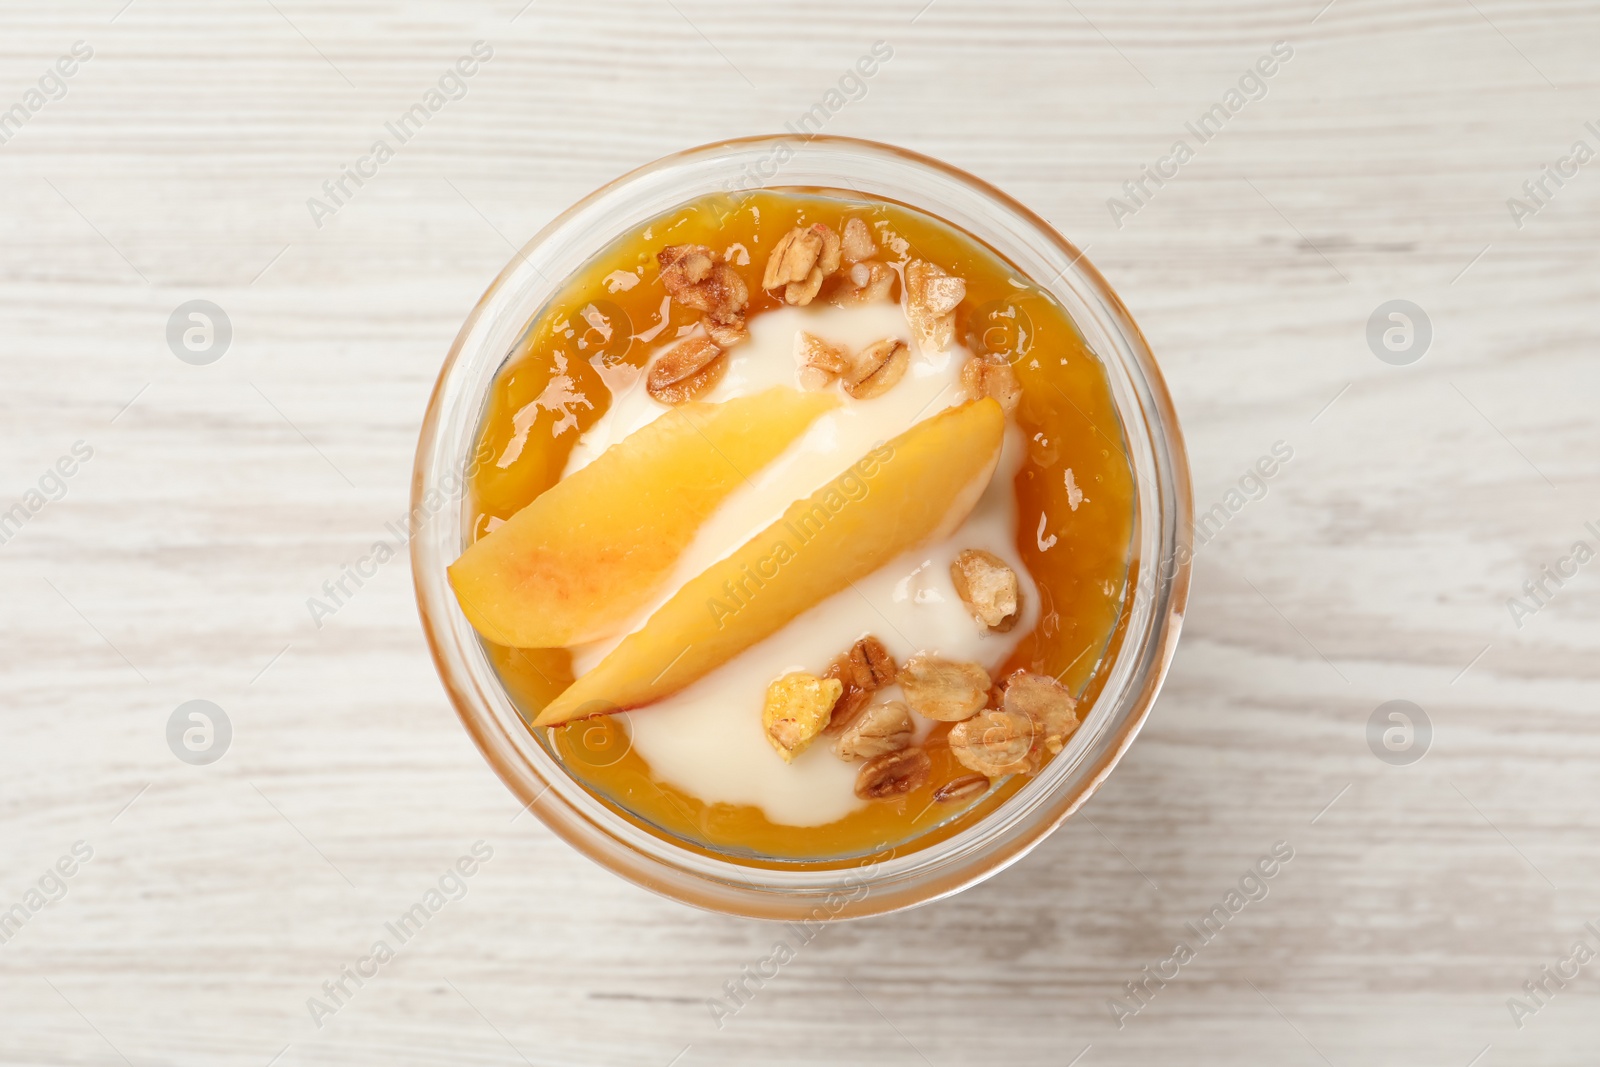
pixel 802 525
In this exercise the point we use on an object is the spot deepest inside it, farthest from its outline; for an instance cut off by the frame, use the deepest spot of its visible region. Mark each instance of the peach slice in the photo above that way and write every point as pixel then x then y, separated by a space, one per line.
pixel 918 487
pixel 591 552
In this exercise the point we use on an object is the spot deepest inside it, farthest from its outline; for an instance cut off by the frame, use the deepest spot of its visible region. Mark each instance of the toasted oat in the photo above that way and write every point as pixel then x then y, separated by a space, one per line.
pixel 864 283
pixel 728 335
pixel 791 258
pixel 964 788
pixel 802 293
pixel 800 261
pixel 832 249
pixel 685 265
pixel 877 368
pixel 821 362
pixel 685 371
pixel 932 295
pixel 880 729
pixel 996 741
pixel 988 587
pixel 1045 701
pixel 992 376
pixel 698 278
pixel 893 774
pixel 944 689
pixel 797 708
pixel 857 243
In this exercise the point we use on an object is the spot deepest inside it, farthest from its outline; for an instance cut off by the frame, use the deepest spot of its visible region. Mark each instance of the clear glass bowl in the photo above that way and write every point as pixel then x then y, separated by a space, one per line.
pixel 1136 659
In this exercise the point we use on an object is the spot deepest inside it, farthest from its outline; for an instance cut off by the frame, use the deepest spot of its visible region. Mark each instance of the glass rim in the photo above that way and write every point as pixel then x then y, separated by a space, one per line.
pixel 1148 626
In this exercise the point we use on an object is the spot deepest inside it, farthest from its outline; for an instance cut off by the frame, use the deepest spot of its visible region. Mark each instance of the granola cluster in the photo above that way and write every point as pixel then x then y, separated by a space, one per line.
pixel 870 372
pixel 807 256
pixel 990 375
pixel 988 587
pixel 801 261
pixel 932 296
pixel 804 263
pixel 699 278
pixel 798 707
pixel 1010 728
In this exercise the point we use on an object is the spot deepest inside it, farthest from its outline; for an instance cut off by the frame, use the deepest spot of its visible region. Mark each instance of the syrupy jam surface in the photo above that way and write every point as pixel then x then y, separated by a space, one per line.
pixel 1074 492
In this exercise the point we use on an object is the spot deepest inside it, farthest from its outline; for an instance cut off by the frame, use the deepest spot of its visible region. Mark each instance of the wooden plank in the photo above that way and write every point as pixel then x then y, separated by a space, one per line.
pixel 1376 567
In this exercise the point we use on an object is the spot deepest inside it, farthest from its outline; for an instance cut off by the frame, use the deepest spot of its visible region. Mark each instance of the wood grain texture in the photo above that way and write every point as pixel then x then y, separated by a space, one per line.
pixel 1377 566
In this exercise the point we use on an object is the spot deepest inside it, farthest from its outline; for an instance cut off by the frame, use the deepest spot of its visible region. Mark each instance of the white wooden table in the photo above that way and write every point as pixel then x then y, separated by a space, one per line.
pixel 220 497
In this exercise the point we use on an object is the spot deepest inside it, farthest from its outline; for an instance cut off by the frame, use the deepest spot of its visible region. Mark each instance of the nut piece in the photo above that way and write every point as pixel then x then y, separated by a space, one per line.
pixel 995 742
pixel 685 371
pixel 800 260
pixel 893 774
pixel 877 368
pixel 857 243
pixel 797 708
pixel 820 361
pixel 871 665
pixel 864 283
pixel 964 788
pixel 877 731
pixel 1045 701
pixel 697 278
pixel 992 376
pixel 865 669
pixel 988 587
pixel 944 689
pixel 931 298
pixel 849 705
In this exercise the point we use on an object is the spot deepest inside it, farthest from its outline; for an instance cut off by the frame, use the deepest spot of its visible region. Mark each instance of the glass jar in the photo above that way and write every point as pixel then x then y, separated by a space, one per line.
pixel 1140 649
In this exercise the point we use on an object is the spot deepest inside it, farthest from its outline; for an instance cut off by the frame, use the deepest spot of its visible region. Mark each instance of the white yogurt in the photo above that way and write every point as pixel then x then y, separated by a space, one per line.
pixel 707 739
